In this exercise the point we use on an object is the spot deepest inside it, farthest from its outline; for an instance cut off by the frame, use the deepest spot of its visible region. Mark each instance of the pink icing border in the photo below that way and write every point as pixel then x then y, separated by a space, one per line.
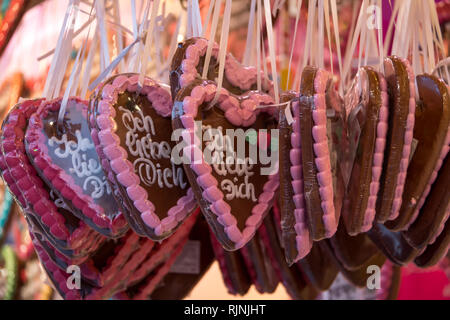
pixel 322 159
pixel 238 75
pixel 404 162
pixel 22 178
pixel 303 238
pixel 58 177
pixel 434 174
pixel 238 113
pixel 378 156
pixel 122 167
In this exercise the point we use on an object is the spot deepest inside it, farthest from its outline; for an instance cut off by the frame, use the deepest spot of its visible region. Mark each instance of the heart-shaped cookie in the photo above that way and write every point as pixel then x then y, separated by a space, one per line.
pixel 318 135
pixel 234 189
pixel 432 133
pixel 134 133
pixel 65 232
pixel 367 108
pixel 392 244
pixel 358 276
pixel 402 105
pixel 352 252
pixel 436 251
pixel 188 63
pixel 64 156
pixel 434 212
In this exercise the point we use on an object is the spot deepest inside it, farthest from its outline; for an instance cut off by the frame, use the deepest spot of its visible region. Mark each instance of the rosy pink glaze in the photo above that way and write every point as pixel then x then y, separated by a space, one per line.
pixel 24 182
pixel 242 77
pixel 404 162
pixel 434 174
pixel 378 156
pixel 59 178
pixel 303 238
pixel 237 114
pixel 122 167
pixel 322 160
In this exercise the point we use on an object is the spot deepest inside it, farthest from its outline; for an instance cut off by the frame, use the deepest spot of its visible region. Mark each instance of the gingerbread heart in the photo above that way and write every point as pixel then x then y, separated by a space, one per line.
pixel 113 182
pixel 62 229
pixel 188 63
pixel 432 134
pixel 358 276
pixel 434 212
pixel 367 120
pixel 402 105
pixel 135 137
pixel 234 190
pixel 313 174
pixel 436 251
pixel 392 244
pixel 352 252
pixel 64 156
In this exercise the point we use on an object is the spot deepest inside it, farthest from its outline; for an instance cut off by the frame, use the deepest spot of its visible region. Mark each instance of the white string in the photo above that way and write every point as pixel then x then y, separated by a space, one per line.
pixel 223 49
pixel 271 49
pixel 208 17
pixel 212 34
pixel 146 53
pixel 297 19
pixel 250 29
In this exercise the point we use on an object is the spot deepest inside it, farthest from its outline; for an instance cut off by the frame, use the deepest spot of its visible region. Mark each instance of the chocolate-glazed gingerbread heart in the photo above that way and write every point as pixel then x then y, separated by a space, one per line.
pixel 434 212
pixel 321 135
pixel 64 156
pixel 66 232
pixel 134 135
pixel 435 251
pixel 352 252
pixel 432 132
pixel 188 62
pixel 392 244
pixel 296 238
pixel 367 115
pixel 234 190
pixel 124 202
pixel 402 105
pixel 357 276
